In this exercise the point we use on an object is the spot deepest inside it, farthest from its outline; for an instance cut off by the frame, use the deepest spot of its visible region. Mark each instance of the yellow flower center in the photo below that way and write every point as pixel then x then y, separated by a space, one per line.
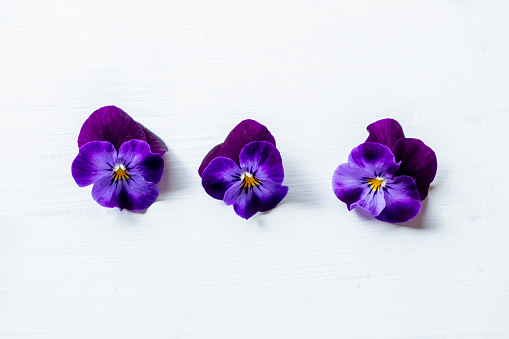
pixel 248 181
pixel 376 183
pixel 120 173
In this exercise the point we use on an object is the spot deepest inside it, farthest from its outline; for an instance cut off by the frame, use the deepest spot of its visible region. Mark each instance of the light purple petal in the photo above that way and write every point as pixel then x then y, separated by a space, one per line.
pixel 417 161
pixel 371 201
pixel 350 185
pixel 245 132
pixel 402 200
pixel 92 161
pixel 219 176
pixel 110 124
pixel 213 153
pixel 135 195
pixel 157 145
pixel 263 160
pixel 385 132
pixel 136 155
pixel 374 158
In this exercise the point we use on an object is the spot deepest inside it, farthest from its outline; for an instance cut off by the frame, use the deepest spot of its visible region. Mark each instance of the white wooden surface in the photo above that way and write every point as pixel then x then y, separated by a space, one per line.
pixel 316 73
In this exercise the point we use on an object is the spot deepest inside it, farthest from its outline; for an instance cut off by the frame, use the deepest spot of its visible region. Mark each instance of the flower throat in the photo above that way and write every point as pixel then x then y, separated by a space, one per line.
pixel 248 181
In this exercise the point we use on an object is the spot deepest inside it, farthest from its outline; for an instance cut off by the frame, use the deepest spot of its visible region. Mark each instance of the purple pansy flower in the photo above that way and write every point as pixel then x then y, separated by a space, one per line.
pixel 245 171
pixel 388 175
pixel 121 158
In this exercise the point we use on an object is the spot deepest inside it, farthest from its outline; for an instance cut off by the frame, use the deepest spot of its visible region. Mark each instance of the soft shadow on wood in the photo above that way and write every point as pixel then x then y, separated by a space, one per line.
pixel 301 189
pixel 416 223
pixel 171 180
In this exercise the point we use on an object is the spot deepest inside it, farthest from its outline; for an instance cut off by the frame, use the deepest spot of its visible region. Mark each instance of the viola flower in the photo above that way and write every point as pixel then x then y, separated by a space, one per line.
pixel 388 175
pixel 417 159
pixel 245 171
pixel 121 158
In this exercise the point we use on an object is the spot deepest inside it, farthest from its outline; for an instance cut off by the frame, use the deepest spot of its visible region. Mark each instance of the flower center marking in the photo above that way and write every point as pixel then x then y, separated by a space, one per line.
pixel 376 183
pixel 120 173
pixel 248 181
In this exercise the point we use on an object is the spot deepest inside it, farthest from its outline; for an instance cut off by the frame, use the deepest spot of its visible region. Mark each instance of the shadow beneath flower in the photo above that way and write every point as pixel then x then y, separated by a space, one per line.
pixel 173 179
pixel 364 214
pixel 301 189
pixel 136 212
pixel 416 223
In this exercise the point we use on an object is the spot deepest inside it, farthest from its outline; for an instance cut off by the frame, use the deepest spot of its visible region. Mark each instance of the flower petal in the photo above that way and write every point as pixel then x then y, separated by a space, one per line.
pixel 136 195
pixel 111 124
pixel 385 132
pixel 261 198
pixel 157 145
pixel 92 161
pixel 350 186
pixel 402 200
pixel 136 154
pixel 374 158
pixel 263 160
pixel 219 176
pixel 269 194
pixel 245 132
pixel 213 153
pixel 244 203
pixel 418 161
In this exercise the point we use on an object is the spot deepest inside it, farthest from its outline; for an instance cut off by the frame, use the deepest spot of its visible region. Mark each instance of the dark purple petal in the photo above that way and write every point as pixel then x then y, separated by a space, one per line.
pixel 135 194
pixel 350 185
pixel 263 160
pixel 213 153
pixel 136 156
pixel 385 132
pixel 261 198
pixel 244 203
pixel 418 161
pixel 111 124
pixel 374 158
pixel 245 132
pixel 402 200
pixel 92 161
pixel 219 176
pixel 269 194
pixel 157 145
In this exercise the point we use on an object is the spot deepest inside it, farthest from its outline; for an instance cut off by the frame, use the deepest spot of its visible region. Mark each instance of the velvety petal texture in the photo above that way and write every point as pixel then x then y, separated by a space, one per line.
pixel 374 158
pixel 92 161
pixel 263 160
pixel 112 124
pixel 244 133
pixel 253 185
pixel 402 200
pixel 125 179
pixel 368 181
pixel 385 132
pixel 135 196
pixel 259 199
pixel 417 161
pixel 219 176
pixel 137 155
pixel 157 145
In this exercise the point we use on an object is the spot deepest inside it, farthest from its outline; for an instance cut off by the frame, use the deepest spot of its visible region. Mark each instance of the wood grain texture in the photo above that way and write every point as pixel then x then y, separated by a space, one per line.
pixel 316 73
